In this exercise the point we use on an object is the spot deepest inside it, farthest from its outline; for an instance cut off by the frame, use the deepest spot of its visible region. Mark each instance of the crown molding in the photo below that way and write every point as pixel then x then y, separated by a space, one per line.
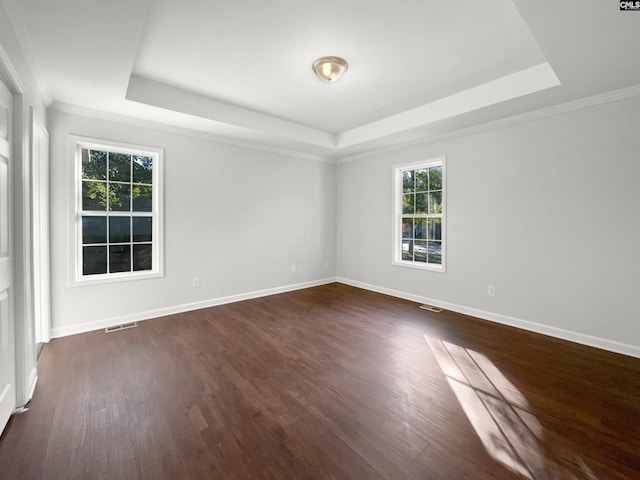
pixel 125 120
pixel 586 102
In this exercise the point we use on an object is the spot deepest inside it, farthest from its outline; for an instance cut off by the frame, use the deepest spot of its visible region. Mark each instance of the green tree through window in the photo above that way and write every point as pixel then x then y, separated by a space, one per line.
pixel 419 216
pixel 117 211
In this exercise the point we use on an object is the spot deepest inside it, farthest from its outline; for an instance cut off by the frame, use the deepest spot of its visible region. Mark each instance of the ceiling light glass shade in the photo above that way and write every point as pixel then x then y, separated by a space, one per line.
pixel 330 69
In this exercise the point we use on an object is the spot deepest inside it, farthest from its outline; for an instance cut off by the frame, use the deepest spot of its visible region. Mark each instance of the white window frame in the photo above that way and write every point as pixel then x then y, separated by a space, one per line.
pixel 397 214
pixel 76 144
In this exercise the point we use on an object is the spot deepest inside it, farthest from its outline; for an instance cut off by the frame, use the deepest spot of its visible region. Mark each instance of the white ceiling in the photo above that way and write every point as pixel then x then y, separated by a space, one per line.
pixel 242 69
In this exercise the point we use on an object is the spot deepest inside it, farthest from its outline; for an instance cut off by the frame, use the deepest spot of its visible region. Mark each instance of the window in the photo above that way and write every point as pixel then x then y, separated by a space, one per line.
pixel 419 218
pixel 117 213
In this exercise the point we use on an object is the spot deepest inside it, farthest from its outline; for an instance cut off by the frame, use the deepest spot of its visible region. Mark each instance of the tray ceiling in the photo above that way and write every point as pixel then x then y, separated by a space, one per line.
pixel 242 70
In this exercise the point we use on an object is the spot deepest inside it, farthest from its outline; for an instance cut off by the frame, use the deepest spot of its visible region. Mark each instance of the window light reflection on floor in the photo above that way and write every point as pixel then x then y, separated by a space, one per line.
pixel 499 414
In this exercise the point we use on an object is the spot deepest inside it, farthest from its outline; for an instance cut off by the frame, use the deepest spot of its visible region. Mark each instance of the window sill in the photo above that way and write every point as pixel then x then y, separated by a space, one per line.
pixel 418 266
pixel 115 278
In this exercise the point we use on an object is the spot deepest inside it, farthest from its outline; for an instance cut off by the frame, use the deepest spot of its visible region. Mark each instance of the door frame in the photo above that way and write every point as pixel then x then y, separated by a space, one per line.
pixel 40 273
pixel 25 347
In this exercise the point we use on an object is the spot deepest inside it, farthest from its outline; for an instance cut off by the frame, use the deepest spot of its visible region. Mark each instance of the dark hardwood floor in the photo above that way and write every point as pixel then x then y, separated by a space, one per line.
pixel 331 382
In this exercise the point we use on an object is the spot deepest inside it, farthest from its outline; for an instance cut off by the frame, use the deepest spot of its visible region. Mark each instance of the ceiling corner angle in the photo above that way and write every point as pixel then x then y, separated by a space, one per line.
pixel 530 80
pixel 154 93
pixel 14 15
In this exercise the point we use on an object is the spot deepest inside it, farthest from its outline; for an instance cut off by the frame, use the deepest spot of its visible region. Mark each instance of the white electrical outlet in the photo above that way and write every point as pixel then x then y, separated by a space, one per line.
pixel 491 290
pixel 326 265
pixel 293 269
pixel 196 282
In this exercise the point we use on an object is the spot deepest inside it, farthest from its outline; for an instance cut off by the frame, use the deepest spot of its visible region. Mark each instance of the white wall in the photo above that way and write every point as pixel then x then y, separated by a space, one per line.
pixel 237 218
pixel 548 211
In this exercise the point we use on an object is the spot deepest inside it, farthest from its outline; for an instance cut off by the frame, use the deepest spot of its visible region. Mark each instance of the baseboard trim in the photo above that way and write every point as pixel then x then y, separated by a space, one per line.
pixel 572 336
pixel 161 312
pixel 581 338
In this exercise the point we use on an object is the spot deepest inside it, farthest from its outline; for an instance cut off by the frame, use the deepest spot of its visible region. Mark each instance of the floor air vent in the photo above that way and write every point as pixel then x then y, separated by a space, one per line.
pixel 120 327
pixel 431 308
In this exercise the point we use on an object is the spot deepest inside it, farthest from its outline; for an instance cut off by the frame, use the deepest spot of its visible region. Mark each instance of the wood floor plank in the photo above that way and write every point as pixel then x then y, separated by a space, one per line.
pixel 331 382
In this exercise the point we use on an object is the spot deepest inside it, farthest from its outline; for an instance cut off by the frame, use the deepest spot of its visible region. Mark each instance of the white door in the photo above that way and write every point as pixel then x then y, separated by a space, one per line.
pixel 7 332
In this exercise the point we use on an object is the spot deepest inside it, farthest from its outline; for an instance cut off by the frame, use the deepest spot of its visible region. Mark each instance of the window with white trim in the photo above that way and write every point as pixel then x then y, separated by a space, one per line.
pixel 419 215
pixel 118 218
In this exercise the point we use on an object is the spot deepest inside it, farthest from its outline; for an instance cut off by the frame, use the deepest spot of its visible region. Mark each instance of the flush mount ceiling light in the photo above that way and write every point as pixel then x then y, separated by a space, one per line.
pixel 330 69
